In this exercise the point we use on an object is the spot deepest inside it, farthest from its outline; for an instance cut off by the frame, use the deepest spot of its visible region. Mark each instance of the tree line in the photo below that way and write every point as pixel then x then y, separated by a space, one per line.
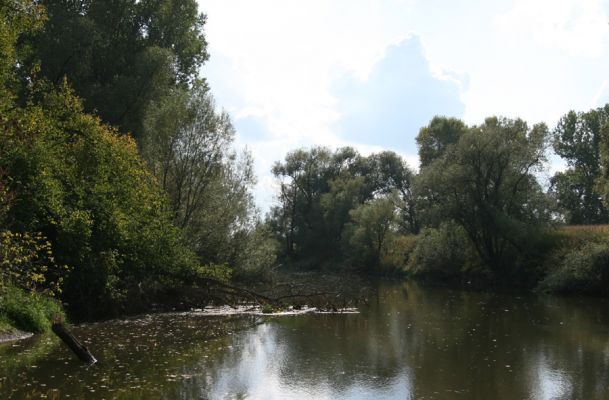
pixel 476 208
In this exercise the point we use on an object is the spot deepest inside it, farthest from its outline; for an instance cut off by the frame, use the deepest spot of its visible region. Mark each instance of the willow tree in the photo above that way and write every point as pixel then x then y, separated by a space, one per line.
pixel 486 183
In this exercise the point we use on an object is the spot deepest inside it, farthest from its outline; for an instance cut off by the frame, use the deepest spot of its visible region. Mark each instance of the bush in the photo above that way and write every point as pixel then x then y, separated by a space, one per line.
pixel 28 311
pixel 255 255
pixel 398 253
pixel 583 268
pixel 440 253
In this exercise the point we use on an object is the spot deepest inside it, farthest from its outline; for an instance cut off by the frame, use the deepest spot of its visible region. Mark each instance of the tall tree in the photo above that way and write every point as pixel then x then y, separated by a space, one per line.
pixel 434 139
pixel 577 138
pixel 208 183
pixel 120 55
pixel 485 182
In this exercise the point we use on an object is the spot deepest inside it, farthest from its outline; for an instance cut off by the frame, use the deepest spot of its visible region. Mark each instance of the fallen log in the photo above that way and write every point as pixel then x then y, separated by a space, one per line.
pixel 74 344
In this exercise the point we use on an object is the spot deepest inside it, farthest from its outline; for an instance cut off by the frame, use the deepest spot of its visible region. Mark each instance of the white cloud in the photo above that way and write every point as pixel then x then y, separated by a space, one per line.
pixel 577 27
pixel 275 63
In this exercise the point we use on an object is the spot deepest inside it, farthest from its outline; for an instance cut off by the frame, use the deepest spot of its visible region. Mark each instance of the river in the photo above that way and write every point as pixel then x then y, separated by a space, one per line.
pixel 410 342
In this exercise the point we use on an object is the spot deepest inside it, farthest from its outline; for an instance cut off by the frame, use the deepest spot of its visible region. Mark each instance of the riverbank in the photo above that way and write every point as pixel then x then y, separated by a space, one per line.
pixel 13 335
pixel 563 260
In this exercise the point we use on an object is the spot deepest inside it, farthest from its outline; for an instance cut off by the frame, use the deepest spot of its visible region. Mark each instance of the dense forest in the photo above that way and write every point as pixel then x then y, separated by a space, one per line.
pixel 120 187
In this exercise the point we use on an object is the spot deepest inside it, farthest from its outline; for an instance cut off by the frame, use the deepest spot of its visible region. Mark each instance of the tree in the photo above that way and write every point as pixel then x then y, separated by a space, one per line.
pixel 577 138
pixel 434 139
pixel 373 223
pixel 390 173
pixel 319 191
pixel 187 152
pixel 304 177
pixel 485 182
pixel 119 55
pixel 208 184
pixel 86 189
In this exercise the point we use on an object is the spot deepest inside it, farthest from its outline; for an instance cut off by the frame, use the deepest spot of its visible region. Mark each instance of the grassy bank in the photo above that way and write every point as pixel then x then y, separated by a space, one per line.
pixel 27 311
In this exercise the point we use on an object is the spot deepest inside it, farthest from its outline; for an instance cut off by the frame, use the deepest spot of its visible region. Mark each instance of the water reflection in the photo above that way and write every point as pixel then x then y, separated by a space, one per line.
pixel 412 342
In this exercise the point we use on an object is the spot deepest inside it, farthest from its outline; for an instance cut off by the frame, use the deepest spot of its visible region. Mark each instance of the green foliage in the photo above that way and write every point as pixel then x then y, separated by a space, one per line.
pixel 373 223
pixel 28 311
pixel 221 273
pixel 578 267
pixel 17 17
pixel 255 254
pixel 120 56
pixel 441 253
pixel 84 186
pixel 434 139
pixel 485 183
pixel 27 262
pixel 208 184
pixel 88 191
pixel 579 140
pixel 398 253
pixel 336 207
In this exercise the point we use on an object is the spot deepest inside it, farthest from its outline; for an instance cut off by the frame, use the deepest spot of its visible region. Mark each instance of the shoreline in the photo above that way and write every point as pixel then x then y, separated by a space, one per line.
pixel 15 335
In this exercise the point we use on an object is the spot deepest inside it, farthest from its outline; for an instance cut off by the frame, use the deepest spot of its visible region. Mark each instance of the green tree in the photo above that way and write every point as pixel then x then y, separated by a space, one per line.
pixel 485 183
pixel 389 173
pixel 577 138
pixel 87 190
pixel 373 223
pixel 303 177
pixel 119 55
pixel 208 184
pixel 435 138
pixel 320 189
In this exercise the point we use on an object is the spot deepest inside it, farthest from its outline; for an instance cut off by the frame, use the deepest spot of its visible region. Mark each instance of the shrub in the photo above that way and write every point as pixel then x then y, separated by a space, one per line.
pixel 400 249
pixel 583 268
pixel 88 191
pixel 442 252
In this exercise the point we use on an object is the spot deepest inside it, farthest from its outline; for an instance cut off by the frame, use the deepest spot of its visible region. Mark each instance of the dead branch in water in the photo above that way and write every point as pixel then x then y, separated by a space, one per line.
pixel 74 344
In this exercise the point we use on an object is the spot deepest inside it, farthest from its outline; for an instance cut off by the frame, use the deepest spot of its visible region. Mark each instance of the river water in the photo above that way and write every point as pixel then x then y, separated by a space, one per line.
pixel 409 343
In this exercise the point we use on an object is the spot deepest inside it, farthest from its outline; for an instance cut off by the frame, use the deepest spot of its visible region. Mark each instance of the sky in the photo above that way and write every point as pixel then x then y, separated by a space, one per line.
pixel 371 73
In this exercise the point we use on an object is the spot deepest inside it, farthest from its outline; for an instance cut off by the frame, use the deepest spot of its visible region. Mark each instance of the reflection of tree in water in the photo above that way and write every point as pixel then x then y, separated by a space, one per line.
pixel 445 342
pixel 413 341
pixel 572 357
pixel 308 354
pixel 494 346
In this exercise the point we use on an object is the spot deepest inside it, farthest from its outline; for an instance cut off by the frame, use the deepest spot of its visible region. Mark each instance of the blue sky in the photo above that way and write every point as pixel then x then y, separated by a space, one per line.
pixel 370 73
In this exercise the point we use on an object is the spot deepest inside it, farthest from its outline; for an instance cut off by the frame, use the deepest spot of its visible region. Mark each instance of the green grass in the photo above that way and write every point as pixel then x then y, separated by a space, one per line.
pixel 27 311
pixel 5 325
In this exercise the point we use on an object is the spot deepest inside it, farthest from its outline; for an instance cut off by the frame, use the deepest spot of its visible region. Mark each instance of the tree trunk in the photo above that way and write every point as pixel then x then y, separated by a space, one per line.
pixel 78 348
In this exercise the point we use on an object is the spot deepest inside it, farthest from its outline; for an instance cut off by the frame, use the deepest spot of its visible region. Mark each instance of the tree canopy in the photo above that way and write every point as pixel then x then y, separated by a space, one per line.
pixel 577 139
pixel 119 56
pixel 485 182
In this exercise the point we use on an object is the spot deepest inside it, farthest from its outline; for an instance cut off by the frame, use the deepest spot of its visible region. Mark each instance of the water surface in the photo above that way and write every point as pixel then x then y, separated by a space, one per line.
pixel 409 343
